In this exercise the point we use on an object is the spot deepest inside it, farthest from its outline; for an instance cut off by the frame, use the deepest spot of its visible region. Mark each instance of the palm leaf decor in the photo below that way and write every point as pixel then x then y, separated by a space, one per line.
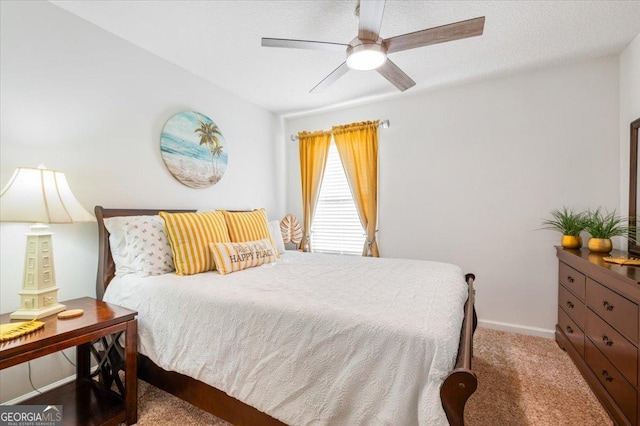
pixel 291 229
pixel 16 329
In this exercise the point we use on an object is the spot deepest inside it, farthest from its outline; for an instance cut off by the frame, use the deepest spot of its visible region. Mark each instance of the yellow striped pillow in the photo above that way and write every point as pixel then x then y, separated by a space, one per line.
pixel 232 257
pixel 189 236
pixel 249 226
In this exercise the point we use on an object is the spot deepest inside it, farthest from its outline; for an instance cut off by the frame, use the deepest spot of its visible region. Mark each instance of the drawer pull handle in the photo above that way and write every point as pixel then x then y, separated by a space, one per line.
pixel 570 278
pixel 569 304
pixel 606 376
pixel 606 340
pixel 608 306
pixel 569 330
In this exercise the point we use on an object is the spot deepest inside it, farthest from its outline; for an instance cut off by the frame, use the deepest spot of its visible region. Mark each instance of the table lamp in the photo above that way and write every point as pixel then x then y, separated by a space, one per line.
pixel 39 195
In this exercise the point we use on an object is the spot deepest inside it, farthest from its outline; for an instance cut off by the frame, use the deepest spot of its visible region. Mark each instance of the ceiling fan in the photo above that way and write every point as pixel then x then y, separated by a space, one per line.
pixel 367 51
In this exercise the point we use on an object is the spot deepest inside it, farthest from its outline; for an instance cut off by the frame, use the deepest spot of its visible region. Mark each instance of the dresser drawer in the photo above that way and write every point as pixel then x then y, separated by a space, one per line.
pixel 572 279
pixel 572 306
pixel 614 346
pixel 619 312
pixel 572 331
pixel 620 390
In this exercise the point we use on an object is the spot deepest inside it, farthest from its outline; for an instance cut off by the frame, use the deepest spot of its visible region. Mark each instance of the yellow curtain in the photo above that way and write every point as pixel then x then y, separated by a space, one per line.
pixel 357 145
pixel 314 148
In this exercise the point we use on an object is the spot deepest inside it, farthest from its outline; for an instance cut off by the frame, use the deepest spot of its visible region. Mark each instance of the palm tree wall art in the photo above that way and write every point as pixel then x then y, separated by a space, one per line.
pixel 210 137
pixel 194 149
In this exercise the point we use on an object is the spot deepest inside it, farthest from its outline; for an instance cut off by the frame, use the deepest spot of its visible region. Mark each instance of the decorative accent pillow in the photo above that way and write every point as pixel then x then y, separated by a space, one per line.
pixel 190 235
pixel 249 226
pixel 139 244
pixel 232 257
pixel 276 236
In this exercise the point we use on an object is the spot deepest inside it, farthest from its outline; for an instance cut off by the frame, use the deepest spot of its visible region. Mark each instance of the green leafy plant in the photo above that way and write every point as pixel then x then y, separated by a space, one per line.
pixel 567 221
pixel 607 225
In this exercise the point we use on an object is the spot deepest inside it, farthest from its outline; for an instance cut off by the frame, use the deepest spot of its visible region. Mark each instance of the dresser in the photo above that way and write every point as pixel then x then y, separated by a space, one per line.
pixel 598 326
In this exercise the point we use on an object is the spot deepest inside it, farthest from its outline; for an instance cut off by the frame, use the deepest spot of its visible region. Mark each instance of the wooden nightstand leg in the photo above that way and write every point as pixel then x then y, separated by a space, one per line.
pixel 131 371
pixel 83 361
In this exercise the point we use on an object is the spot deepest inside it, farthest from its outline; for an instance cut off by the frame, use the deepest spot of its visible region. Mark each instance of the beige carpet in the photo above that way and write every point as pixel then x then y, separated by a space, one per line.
pixel 523 380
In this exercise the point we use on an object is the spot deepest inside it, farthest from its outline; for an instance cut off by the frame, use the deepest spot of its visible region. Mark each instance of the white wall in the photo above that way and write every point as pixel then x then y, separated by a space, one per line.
pixel 467 173
pixel 629 111
pixel 84 101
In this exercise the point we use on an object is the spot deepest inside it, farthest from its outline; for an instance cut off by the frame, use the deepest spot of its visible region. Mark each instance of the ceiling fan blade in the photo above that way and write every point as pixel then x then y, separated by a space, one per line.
pixel 396 76
pixel 370 12
pixel 450 32
pixel 331 78
pixel 304 44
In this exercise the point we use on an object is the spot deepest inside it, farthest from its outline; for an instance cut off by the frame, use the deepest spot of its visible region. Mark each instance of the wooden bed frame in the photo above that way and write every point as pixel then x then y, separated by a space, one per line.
pixel 456 389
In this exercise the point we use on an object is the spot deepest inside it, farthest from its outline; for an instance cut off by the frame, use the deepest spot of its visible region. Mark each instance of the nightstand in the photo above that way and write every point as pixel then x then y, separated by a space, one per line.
pixel 100 397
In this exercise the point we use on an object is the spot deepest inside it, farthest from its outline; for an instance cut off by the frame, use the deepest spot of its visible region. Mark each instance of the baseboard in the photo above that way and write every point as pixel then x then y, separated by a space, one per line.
pixel 515 328
pixel 18 400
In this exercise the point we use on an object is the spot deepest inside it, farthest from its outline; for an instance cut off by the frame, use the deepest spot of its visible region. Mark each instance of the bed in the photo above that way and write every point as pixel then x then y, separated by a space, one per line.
pixel 286 343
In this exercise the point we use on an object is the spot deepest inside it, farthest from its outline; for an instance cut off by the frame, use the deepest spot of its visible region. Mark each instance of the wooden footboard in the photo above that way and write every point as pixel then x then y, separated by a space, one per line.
pixel 461 382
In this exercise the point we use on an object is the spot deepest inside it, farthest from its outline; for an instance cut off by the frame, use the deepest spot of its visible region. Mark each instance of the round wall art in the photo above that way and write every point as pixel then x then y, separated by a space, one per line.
pixel 193 149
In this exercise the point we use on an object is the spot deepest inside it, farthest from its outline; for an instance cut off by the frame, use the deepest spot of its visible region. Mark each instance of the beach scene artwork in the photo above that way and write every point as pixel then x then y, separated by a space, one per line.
pixel 193 149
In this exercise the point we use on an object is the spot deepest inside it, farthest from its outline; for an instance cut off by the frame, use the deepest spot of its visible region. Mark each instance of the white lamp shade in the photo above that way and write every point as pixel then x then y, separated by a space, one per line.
pixel 41 196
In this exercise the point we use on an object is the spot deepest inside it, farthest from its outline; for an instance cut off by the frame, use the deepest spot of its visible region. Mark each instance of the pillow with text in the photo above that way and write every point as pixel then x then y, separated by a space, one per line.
pixel 232 257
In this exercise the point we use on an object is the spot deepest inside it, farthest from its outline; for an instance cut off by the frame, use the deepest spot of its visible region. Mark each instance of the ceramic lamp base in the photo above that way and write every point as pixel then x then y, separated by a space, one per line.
pixel 28 314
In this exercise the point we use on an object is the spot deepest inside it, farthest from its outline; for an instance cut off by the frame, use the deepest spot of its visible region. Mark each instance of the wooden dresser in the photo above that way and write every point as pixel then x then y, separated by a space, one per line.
pixel 598 326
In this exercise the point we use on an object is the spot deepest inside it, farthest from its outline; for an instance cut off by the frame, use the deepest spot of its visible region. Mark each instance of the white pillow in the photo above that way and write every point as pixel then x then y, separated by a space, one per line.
pixel 276 236
pixel 139 244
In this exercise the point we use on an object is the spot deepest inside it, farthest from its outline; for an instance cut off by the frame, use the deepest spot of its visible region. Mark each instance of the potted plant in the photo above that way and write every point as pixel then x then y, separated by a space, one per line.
pixel 603 226
pixel 570 223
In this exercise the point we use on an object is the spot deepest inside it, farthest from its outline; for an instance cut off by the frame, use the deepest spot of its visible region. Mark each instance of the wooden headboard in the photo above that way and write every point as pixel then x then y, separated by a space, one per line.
pixel 106 267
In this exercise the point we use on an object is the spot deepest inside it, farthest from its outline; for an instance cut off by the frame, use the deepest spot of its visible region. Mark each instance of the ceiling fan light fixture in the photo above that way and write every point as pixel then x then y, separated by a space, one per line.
pixel 366 56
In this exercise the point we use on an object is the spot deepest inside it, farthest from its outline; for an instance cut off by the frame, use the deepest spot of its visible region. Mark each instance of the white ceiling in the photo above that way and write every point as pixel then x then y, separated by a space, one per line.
pixel 220 42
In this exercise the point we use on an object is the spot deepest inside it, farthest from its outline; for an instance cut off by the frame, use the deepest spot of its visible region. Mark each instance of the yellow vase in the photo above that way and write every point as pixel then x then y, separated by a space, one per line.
pixel 600 245
pixel 571 241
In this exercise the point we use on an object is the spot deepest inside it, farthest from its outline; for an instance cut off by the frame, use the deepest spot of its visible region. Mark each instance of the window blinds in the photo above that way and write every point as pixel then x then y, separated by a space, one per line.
pixel 336 226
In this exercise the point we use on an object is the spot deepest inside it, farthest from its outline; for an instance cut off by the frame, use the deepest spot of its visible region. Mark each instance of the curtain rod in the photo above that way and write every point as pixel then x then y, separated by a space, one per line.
pixel 384 124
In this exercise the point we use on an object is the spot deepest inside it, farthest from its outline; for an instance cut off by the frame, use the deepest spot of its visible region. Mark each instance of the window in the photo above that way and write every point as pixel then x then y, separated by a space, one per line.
pixel 336 226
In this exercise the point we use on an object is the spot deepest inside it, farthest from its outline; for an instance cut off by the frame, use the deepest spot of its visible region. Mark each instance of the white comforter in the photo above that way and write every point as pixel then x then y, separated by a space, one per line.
pixel 312 339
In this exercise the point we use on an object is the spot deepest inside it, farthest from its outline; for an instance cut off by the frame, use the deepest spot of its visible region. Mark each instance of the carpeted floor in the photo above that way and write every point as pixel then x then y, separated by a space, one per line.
pixel 522 380
pixel 525 380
